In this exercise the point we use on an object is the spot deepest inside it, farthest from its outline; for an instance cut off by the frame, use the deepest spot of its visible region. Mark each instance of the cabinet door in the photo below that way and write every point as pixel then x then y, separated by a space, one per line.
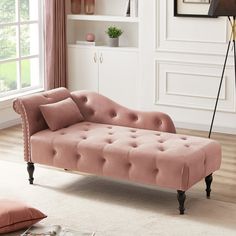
pixel 82 69
pixel 118 72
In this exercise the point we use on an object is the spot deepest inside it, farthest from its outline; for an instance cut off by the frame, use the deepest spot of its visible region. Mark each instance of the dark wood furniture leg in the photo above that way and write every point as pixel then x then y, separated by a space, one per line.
pixel 30 169
pixel 208 181
pixel 181 196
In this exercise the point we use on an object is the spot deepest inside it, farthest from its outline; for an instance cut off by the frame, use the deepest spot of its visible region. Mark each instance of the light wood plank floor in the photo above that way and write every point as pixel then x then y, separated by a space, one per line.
pixel 224 185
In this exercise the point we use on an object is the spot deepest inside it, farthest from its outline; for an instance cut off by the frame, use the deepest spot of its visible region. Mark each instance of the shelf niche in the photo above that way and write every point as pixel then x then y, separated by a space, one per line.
pixel 106 7
pixel 77 31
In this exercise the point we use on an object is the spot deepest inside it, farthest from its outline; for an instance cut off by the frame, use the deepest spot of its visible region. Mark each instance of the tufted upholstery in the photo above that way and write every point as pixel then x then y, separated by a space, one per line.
pixel 144 156
pixel 93 107
pixel 117 142
pixel 97 108
pixel 32 118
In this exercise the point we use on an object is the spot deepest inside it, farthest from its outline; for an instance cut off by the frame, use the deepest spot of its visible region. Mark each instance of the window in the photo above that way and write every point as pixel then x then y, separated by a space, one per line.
pixel 21 60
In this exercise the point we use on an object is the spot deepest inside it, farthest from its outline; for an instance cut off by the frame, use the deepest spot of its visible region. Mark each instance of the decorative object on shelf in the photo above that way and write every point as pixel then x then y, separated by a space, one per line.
pixel 90 37
pixel 128 9
pixel 89 7
pixel 192 8
pixel 224 8
pixel 114 33
pixel 75 6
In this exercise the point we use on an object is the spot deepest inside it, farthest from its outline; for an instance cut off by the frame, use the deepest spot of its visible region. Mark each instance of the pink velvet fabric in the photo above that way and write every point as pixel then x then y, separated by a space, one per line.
pixel 16 215
pixel 32 118
pixel 61 114
pixel 139 155
pixel 94 107
pixel 100 109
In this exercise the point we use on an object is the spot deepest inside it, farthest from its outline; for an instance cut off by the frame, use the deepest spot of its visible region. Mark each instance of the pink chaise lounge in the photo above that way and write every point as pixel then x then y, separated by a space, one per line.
pixel 117 142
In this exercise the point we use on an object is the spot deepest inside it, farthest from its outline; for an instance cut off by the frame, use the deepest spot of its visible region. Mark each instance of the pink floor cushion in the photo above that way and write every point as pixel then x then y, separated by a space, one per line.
pixel 16 215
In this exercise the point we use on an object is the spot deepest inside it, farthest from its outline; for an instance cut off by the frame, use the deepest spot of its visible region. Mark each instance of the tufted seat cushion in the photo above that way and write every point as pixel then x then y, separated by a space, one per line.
pixel 140 155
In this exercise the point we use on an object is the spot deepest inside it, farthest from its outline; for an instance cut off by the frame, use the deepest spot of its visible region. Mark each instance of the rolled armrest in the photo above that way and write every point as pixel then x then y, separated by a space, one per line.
pixel 32 119
pixel 100 109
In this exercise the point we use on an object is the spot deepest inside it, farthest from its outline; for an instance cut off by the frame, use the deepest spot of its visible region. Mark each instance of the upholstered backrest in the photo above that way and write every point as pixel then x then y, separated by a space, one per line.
pixel 94 108
pixel 32 119
pixel 100 109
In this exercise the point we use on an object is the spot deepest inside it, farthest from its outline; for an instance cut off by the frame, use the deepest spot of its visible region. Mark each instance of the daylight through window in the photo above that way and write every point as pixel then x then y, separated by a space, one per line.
pixel 20 46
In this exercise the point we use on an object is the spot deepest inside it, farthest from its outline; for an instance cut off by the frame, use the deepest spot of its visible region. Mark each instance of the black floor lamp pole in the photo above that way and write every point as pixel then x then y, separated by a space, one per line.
pixel 234 55
pixel 232 39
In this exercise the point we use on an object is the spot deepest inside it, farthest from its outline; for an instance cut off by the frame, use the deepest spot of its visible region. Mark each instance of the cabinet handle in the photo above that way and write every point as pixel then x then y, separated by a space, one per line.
pixel 101 58
pixel 95 57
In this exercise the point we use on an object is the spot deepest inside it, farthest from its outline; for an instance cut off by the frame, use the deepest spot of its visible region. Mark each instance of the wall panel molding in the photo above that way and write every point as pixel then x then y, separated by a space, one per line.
pixel 189 35
pixel 192 86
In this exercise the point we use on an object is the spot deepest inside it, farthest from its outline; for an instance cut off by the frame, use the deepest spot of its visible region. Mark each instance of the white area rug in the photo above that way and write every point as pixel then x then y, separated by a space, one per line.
pixel 112 208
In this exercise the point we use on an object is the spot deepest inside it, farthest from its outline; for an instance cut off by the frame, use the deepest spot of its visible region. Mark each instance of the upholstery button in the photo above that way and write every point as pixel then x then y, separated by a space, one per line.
pixel 134 145
pixel 109 127
pixel 129 165
pixel 84 138
pixel 109 141
pixel 161 149
pixel 183 138
pixel 133 130
pixel 63 133
pixel 86 129
pixel 186 145
pixel 91 112
pixel 161 141
pixel 103 160
pixel 84 99
pixel 159 122
pixel 158 134
pixel 113 114
pixel 78 156
pixel 54 152
pixel 110 133
pixel 156 171
pixel 133 136
pixel 133 117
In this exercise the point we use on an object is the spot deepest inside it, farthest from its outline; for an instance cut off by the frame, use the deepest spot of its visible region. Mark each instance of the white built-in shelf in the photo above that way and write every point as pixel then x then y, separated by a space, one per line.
pixel 104 47
pixel 103 18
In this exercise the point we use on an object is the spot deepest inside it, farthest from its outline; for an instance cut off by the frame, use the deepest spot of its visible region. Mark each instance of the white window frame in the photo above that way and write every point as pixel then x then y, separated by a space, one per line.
pixel 40 87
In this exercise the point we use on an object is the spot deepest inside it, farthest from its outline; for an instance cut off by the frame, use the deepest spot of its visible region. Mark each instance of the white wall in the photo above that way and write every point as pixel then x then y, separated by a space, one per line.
pixel 182 61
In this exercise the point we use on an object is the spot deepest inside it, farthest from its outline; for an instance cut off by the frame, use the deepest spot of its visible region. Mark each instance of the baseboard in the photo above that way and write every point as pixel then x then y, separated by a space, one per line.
pixel 10 123
pixel 202 127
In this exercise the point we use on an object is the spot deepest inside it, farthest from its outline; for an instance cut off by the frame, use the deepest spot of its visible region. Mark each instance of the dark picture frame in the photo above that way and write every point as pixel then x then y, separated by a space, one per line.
pixel 195 4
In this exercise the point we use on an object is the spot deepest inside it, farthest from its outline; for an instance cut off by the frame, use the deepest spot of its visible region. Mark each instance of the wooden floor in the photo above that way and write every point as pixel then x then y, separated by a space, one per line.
pixel 224 185
pixel 11 144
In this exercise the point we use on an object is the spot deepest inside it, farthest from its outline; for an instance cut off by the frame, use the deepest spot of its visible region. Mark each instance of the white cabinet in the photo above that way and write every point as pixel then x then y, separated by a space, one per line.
pixel 82 69
pixel 118 73
pixel 111 72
